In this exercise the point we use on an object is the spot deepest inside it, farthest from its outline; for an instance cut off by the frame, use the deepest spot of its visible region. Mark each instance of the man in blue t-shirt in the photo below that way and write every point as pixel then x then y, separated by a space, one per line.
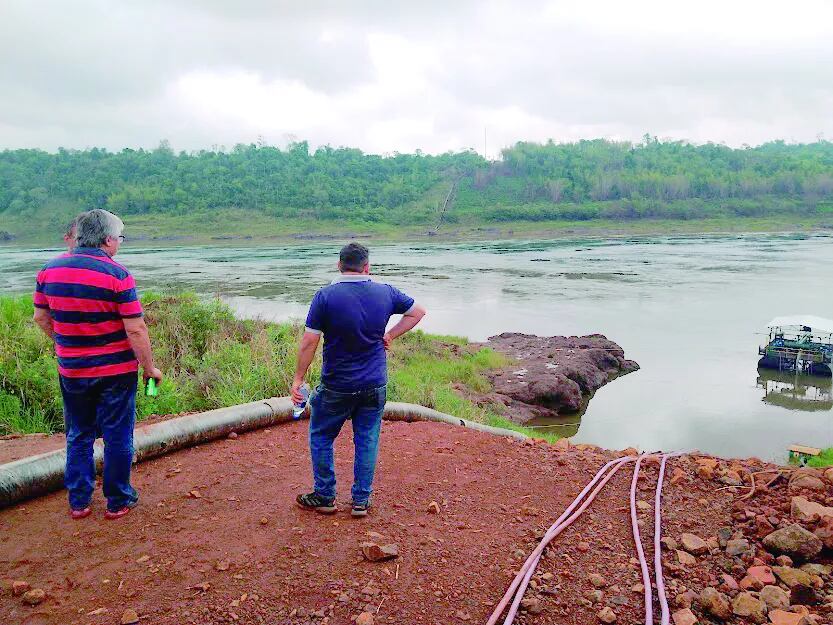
pixel 352 314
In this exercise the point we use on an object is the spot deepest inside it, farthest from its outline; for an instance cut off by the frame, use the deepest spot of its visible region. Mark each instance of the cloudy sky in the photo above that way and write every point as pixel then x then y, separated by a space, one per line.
pixel 389 75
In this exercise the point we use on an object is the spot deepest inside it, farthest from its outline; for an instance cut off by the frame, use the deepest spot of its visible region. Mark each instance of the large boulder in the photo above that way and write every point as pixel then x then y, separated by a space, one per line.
pixel 794 541
pixel 553 375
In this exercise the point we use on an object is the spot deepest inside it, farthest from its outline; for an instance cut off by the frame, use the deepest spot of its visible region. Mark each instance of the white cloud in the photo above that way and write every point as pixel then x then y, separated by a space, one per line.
pixel 401 76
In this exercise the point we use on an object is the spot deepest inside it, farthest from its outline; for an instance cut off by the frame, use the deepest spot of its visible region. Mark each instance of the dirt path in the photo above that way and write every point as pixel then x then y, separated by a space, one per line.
pixel 217 538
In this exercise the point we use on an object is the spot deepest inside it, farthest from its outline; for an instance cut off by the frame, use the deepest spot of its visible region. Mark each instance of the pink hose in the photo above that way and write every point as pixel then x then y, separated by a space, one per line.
pixel 519 584
pixel 663 600
pixel 535 556
pixel 552 533
pixel 637 540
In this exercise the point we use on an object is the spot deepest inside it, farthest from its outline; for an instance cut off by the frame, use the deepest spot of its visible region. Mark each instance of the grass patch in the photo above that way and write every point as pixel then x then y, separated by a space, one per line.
pixel 824 459
pixel 212 359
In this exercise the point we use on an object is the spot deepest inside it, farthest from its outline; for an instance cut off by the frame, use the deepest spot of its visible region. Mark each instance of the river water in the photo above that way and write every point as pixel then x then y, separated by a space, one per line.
pixel 689 310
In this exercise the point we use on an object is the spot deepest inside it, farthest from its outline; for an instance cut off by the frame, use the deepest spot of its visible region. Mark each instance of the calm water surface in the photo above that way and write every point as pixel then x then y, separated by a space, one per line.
pixel 688 309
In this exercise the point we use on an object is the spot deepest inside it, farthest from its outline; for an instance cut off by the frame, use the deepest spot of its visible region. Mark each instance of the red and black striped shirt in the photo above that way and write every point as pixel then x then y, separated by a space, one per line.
pixel 88 294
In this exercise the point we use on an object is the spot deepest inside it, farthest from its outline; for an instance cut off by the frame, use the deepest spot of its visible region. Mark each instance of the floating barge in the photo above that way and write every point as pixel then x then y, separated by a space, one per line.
pixel 799 343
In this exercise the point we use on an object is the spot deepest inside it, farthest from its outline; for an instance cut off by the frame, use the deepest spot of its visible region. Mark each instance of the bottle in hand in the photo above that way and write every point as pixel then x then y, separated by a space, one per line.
pixel 299 407
pixel 151 390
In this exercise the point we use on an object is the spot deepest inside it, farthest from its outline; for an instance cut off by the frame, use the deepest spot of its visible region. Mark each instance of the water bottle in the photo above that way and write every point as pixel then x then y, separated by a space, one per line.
pixel 151 389
pixel 299 407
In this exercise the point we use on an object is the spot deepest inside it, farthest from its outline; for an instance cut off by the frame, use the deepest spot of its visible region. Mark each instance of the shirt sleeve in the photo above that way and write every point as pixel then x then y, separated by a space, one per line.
pixel 39 297
pixel 315 316
pixel 401 302
pixel 127 300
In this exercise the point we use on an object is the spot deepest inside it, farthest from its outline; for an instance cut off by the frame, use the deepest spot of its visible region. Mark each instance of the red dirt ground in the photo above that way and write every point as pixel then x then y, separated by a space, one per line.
pixel 298 567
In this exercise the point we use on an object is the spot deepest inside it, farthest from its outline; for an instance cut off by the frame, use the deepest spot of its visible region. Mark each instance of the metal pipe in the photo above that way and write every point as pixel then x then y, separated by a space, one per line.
pixel 38 475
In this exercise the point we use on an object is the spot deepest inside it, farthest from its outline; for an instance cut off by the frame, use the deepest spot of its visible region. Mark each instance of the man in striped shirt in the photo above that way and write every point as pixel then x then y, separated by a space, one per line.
pixel 87 303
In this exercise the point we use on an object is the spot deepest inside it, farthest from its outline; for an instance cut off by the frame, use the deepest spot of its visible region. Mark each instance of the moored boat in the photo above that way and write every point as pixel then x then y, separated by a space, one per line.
pixel 800 343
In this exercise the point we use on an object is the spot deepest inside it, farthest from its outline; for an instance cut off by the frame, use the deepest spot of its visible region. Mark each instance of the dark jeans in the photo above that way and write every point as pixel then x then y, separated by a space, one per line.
pixel 329 410
pixel 106 404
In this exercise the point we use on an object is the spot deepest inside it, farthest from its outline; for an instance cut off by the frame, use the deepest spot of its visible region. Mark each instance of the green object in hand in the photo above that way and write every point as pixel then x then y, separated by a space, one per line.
pixel 151 389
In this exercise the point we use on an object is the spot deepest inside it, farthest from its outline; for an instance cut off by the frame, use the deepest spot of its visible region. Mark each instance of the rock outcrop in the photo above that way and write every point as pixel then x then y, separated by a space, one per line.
pixel 554 375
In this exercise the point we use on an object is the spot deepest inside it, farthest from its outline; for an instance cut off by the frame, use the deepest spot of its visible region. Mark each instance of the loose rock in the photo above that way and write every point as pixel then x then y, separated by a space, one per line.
pixel 792 577
pixel 597 580
pixel 365 618
pixel 775 597
pixel 532 605
pixel 684 617
pixel 685 558
pixel 379 553
pixel 129 617
pixel 795 541
pixel 433 508
pixel 737 547
pixel 715 603
pixel 806 481
pixel 782 617
pixel 694 544
pixel 19 587
pixel 607 615
pixel 747 605
pixel 803 509
pixel 761 573
pixel 34 596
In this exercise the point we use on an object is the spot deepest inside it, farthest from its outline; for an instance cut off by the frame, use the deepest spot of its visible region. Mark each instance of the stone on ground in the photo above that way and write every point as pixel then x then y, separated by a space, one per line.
pixel 803 509
pixel 684 617
pixel 19 587
pixel 365 618
pixel 795 541
pixel 129 617
pixel 716 603
pixel 745 604
pixel 607 615
pixel 378 553
pixel 694 544
pixel 775 597
pixel 34 596
pixel 782 617
pixel 792 577
pixel 737 547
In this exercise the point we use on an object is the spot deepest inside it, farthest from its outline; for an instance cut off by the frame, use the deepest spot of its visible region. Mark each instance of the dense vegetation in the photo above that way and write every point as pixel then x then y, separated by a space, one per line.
pixel 531 182
pixel 212 359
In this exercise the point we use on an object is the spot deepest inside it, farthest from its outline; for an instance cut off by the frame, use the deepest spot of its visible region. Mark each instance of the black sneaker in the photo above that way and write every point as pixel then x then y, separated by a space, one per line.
pixel 360 509
pixel 314 501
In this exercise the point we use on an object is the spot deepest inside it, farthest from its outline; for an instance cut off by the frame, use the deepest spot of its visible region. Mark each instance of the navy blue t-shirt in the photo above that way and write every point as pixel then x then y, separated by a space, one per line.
pixel 352 314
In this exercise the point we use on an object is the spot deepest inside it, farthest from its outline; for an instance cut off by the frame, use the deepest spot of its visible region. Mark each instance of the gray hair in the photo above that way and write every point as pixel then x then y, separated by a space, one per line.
pixel 93 228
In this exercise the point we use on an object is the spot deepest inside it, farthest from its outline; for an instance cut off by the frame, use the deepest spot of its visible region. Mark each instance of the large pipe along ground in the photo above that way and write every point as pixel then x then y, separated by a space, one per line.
pixel 38 475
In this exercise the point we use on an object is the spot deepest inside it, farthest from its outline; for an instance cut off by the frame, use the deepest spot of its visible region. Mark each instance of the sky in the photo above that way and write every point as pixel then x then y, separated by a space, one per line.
pixel 430 75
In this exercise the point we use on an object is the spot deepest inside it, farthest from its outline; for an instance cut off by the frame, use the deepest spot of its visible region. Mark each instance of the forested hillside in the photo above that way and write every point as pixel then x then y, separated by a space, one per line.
pixel 530 182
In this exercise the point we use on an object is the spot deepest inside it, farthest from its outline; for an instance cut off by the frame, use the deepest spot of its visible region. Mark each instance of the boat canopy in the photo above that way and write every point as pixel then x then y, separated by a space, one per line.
pixel 817 324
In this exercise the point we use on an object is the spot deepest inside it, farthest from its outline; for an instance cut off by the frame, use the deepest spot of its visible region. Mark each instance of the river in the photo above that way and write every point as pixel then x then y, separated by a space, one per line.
pixel 689 310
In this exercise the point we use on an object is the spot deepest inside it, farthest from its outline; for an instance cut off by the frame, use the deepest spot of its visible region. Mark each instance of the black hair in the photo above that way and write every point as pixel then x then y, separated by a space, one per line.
pixel 354 257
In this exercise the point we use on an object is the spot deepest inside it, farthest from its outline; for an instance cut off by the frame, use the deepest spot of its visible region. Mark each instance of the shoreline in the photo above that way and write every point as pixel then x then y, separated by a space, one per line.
pixel 242 226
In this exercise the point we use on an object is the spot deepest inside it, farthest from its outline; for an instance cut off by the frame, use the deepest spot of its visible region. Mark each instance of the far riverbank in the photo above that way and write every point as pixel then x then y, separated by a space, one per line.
pixel 248 227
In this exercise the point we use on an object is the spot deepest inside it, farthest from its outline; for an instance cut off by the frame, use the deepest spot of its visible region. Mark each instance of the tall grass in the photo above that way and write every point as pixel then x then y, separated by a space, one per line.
pixel 212 359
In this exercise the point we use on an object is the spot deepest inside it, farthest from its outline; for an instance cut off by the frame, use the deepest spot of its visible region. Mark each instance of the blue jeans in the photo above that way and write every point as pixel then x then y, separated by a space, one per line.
pixel 329 410
pixel 106 404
